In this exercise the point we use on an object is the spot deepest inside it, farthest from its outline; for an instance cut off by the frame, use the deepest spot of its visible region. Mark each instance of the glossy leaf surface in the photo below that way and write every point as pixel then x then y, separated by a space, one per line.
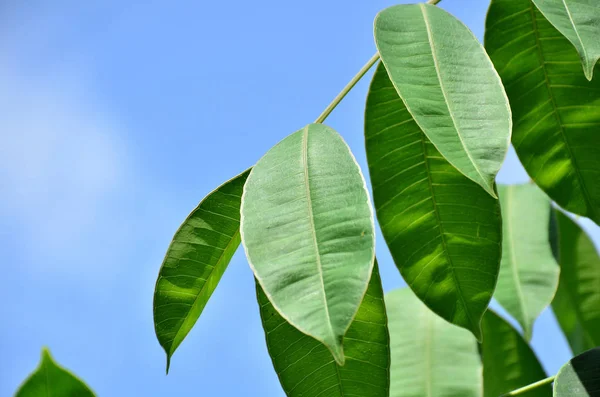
pixel 508 361
pixel 51 380
pixel 528 271
pixel 556 111
pixel 306 367
pixel 430 357
pixel 195 261
pixel 449 85
pixel 577 301
pixel 578 21
pixel 443 230
pixel 307 227
pixel 580 377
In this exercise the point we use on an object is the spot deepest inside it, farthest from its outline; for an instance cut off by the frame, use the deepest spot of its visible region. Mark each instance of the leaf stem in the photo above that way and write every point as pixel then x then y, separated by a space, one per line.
pixel 530 387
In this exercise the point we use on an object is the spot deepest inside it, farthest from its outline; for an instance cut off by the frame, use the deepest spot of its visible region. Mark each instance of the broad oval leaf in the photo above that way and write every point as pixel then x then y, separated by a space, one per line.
pixel 508 361
pixel 556 111
pixel 443 230
pixel 578 21
pixel 306 368
pixel 51 380
pixel 449 85
pixel 307 227
pixel 430 357
pixel 577 301
pixel 195 261
pixel 580 377
pixel 528 271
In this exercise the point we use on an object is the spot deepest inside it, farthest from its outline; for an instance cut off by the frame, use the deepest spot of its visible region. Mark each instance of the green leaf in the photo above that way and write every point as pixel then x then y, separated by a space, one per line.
pixel 449 85
pixel 556 111
pixel 578 21
pixel 195 261
pixel 577 301
pixel 52 380
pixel 580 377
pixel 528 271
pixel 443 230
pixel 307 227
pixel 430 357
pixel 306 367
pixel 508 361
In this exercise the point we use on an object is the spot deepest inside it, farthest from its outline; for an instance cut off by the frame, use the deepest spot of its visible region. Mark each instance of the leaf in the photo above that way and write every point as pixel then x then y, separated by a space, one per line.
pixel 580 377
pixel 528 271
pixel 578 21
pixel 508 361
pixel 306 367
pixel 430 357
pixel 195 261
pixel 52 380
pixel 307 227
pixel 443 230
pixel 449 85
pixel 556 111
pixel 577 301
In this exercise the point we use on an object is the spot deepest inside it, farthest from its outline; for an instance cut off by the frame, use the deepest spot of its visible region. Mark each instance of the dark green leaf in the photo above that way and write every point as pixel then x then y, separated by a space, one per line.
pixel 51 380
pixel 580 377
pixel 306 367
pixel 556 111
pixel 307 227
pixel 442 229
pixel 195 261
pixel 449 85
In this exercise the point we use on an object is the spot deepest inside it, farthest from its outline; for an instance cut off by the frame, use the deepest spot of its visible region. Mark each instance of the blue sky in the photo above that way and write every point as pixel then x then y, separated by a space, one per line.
pixel 118 117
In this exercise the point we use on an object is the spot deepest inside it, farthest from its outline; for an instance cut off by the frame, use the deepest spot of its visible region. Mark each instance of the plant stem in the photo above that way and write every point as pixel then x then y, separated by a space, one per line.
pixel 529 387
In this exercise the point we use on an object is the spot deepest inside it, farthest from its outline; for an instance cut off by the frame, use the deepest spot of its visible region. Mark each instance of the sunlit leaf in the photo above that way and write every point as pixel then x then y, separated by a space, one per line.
pixel 430 357
pixel 580 377
pixel 195 261
pixel 577 301
pixel 51 380
pixel 443 230
pixel 528 271
pixel 578 21
pixel 449 85
pixel 307 227
pixel 306 367
pixel 556 111
pixel 508 361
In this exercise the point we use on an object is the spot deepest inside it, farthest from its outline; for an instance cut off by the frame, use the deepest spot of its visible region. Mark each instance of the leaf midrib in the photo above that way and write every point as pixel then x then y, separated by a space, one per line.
pixel 583 49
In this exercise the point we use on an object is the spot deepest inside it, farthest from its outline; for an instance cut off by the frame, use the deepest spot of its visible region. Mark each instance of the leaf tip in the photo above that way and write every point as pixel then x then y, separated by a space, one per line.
pixel 168 363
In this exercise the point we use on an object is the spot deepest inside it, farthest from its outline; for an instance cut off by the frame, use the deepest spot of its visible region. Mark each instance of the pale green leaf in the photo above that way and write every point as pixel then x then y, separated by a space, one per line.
pixel 508 361
pixel 528 271
pixel 580 377
pixel 443 230
pixel 556 111
pixel 51 380
pixel 449 85
pixel 195 261
pixel 307 227
pixel 306 367
pixel 577 301
pixel 578 21
pixel 430 357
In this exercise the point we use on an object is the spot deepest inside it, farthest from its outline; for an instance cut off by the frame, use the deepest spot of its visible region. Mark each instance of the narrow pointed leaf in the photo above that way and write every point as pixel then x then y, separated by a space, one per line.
pixel 528 271
pixel 580 377
pixel 556 111
pixel 443 230
pixel 578 21
pixel 449 85
pixel 508 361
pixel 306 367
pixel 430 357
pixel 307 227
pixel 195 261
pixel 577 301
pixel 51 380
